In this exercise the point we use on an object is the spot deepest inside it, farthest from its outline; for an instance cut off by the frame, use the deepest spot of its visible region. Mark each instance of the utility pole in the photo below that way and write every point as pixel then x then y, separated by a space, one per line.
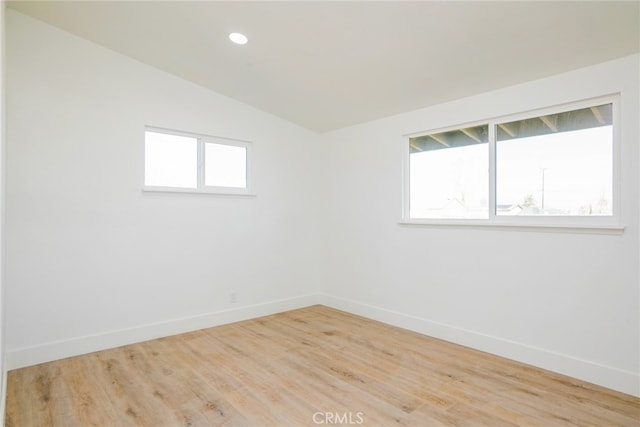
pixel 543 170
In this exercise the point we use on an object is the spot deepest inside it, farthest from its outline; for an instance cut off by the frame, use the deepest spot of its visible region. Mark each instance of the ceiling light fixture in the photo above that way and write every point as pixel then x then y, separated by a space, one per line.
pixel 238 38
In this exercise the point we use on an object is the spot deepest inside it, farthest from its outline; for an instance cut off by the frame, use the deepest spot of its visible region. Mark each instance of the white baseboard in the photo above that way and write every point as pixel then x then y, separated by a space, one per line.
pixel 606 376
pixel 48 352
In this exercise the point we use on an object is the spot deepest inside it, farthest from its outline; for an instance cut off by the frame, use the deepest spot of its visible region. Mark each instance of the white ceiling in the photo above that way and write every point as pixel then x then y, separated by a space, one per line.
pixel 326 65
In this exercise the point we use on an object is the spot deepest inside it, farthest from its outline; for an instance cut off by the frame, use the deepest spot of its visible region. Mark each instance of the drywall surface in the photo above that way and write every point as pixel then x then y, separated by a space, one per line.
pixel 89 253
pixel 3 134
pixel 564 301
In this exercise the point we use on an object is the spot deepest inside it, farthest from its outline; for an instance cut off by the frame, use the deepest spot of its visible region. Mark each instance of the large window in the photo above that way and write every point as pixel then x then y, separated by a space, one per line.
pixel 179 161
pixel 553 166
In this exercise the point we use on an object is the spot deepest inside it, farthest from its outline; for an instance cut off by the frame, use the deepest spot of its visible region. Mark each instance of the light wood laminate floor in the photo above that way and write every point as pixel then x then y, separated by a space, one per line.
pixel 307 367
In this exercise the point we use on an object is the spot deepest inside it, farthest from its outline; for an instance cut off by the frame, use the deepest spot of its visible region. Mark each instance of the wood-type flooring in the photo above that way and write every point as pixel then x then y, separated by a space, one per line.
pixel 307 367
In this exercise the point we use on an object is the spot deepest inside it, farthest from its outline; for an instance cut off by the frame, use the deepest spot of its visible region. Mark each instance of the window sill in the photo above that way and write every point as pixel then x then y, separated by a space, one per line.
pixel 535 227
pixel 211 191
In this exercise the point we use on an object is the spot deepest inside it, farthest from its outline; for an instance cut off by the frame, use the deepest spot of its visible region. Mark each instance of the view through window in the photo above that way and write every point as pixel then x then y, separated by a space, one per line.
pixel 560 164
pixel 449 174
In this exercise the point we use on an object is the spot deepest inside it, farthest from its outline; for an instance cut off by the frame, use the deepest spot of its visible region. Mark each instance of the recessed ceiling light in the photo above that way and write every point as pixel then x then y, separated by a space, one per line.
pixel 238 38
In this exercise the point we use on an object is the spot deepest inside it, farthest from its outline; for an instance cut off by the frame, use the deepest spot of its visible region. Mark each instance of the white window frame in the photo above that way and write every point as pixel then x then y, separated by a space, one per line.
pixel 201 187
pixel 587 224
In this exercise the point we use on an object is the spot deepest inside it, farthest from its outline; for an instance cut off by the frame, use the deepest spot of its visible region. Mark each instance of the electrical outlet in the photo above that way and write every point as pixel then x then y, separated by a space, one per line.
pixel 233 298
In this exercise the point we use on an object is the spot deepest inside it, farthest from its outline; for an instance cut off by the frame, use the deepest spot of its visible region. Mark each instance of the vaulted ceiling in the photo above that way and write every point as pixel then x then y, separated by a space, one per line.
pixel 326 65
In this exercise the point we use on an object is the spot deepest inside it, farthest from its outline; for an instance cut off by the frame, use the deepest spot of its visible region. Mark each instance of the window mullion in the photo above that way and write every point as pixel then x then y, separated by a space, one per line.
pixel 200 163
pixel 492 171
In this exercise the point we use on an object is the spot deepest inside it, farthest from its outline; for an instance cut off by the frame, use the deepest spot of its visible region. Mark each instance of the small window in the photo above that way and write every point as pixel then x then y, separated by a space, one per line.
pixel 225 165
pixel 179 161
pixel 170 160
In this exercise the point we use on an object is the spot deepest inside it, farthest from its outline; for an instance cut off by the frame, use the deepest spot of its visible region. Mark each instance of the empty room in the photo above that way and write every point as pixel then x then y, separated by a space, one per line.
pixel 309 213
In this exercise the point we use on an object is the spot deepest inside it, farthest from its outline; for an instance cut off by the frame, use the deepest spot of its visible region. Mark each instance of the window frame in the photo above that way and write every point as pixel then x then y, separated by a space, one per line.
pixel 201 188
pixel 589 224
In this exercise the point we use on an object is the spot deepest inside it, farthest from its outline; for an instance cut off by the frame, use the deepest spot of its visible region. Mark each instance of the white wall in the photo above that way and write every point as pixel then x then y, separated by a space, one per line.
pixel 3 368
pixel 566 302
pixel 88 253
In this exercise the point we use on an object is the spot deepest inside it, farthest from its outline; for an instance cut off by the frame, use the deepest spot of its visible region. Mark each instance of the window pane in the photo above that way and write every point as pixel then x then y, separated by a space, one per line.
pixel 225 165
pixel 448 174
pixel 170 160
pixel 560 164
